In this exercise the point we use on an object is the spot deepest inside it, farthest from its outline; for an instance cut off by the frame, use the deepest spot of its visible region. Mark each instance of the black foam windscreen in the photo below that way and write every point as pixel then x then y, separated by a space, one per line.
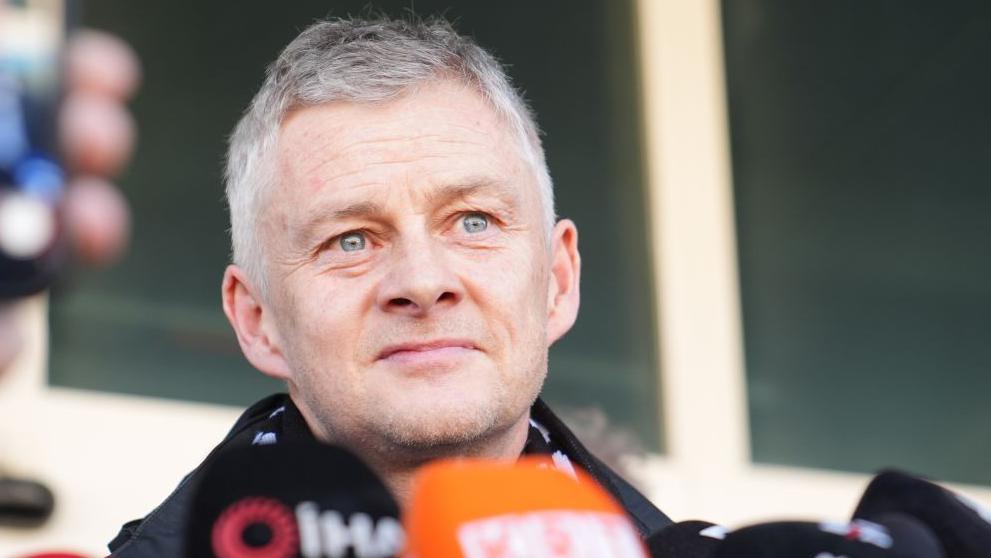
pixel 905 538
pixel 686 539
pixel 911 536
pixel 283 500
pixel 24 503
pixel 963 529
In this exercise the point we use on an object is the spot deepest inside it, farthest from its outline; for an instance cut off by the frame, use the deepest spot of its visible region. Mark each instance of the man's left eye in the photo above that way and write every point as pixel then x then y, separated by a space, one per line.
pixel 352 242
pixel 475 222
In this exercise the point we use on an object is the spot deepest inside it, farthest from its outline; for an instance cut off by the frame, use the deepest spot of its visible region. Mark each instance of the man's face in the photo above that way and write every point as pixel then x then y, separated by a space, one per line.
pixel 411 278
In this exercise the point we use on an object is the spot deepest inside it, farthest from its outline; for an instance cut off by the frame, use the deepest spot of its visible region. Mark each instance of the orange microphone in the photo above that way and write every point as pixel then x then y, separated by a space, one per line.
pixel 485 509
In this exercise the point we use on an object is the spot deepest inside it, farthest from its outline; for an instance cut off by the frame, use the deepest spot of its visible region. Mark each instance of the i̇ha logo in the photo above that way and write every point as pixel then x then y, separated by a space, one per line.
pixel 267 528
pixel 256 527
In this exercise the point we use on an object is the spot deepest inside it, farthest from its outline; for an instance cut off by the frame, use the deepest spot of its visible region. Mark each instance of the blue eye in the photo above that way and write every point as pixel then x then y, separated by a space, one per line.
pixel 352 242
pixel 475 222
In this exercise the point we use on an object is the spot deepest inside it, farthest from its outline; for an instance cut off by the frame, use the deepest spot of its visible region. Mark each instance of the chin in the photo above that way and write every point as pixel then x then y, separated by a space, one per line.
pixel 439 422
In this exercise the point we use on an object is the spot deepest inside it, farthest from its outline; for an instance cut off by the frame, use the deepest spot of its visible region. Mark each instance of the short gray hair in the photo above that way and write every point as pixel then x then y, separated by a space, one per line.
pixel 365 61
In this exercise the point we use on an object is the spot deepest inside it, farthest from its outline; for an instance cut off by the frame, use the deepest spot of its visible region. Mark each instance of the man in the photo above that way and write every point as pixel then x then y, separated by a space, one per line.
pixel 396 261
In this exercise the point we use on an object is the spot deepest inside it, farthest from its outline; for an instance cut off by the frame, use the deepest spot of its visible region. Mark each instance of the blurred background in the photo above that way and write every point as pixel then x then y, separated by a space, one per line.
pixel 783 210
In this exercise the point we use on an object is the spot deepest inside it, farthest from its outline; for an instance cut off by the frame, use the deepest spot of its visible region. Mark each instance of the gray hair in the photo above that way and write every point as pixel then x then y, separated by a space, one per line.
pixel 364 61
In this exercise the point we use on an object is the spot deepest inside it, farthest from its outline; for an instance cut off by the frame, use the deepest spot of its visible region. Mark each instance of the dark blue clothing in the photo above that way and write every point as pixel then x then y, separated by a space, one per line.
pixel 276 418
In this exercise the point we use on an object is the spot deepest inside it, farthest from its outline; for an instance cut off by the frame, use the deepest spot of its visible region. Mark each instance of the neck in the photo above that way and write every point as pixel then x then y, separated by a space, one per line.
pixel 397 466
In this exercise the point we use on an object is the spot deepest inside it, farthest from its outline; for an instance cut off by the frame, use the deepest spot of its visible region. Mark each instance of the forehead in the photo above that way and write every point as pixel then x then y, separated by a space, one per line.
pixel 435 135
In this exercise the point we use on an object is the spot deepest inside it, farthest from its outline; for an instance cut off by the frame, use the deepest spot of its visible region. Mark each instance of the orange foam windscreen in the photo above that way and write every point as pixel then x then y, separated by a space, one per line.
pixel 484 509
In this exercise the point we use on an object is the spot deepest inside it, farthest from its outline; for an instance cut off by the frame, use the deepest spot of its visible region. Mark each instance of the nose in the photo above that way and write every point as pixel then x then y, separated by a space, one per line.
pixel 419 280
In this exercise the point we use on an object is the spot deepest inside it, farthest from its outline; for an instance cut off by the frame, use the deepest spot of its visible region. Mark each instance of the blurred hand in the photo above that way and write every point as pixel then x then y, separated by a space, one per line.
pixel 97 136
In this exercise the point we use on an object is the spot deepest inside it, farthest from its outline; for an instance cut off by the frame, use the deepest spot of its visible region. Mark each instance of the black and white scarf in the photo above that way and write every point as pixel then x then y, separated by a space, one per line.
pixel 286 423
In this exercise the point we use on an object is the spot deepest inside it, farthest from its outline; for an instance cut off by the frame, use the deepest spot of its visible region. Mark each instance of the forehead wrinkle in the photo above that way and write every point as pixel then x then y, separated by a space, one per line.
pixel 322 170
pixel 378 151
pixel 360 145
pixel 365 166
pixel 325 152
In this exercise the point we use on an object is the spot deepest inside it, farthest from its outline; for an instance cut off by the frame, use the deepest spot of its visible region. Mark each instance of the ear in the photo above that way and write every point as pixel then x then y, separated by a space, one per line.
pixel 254 324
pixel 563 295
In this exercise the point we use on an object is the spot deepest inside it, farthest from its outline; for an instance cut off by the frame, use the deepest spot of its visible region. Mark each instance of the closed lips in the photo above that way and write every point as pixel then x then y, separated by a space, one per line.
pixel 392 350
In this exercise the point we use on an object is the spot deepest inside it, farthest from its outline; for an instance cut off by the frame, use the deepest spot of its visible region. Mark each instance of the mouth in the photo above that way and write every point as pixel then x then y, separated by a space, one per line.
pixel 424 352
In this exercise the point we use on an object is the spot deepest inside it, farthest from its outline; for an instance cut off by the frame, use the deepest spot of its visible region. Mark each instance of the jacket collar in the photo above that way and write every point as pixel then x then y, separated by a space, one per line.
pixel 274 418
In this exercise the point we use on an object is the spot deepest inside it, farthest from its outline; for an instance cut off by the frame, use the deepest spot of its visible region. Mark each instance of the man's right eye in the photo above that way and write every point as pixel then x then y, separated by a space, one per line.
pixel 352 242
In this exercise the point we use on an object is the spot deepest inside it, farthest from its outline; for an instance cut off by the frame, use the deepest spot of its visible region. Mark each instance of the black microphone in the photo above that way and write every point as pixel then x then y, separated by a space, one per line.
pixel 963 528
pixel 897 537
pixel 686 539
pixel 24 503
pixel 284 500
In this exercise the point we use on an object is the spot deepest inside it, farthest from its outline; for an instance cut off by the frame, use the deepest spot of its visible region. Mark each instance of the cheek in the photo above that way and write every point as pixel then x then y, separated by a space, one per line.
pixel 511 292
pixel 327 320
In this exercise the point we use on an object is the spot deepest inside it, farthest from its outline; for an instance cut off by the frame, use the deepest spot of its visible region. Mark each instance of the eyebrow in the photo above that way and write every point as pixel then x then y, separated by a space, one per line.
pixel 473 187
pixel 357 210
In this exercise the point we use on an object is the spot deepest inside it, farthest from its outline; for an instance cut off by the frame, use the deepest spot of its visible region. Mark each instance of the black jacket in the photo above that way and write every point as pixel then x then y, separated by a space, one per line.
pixel 160 533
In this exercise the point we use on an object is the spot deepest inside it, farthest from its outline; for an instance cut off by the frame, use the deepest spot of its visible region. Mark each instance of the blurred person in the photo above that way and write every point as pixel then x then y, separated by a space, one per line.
pixel 397 263
pixel 97 135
